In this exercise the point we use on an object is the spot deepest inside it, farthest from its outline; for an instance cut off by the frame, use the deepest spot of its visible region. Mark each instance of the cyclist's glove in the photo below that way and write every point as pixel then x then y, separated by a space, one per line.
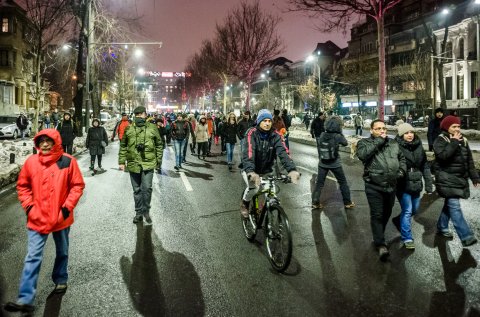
pixel 294 176
pixel 253 179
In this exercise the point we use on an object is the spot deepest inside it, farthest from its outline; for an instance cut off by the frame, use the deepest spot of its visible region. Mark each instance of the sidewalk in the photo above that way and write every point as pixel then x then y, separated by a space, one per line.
pixel 300 135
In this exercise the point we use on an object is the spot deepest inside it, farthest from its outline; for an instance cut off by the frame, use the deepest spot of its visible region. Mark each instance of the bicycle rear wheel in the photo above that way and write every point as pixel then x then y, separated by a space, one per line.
pixel 278 238
pixel 250 223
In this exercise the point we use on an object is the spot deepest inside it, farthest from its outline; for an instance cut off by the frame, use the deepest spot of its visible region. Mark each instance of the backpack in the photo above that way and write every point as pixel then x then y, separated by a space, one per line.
pixel 327 149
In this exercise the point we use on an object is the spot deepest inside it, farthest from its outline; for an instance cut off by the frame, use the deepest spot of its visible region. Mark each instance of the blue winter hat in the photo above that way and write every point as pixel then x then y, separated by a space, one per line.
pixel 264 114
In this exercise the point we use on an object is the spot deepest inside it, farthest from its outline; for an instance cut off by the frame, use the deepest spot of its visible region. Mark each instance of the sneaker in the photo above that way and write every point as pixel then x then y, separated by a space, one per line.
pixel 350 205
pixel 383 253
pixel 18 307
pixel 60 289
pixel 229 167
pixel 137 219
pixel 244 210
pixel 148 219
pixel 409 245
pixel 447 234
pixel 176 167
pixel 317 206
pixel 396 222
pixel 469 242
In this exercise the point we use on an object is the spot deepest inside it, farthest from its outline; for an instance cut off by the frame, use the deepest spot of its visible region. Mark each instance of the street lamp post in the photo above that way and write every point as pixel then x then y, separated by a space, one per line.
pixel 267 78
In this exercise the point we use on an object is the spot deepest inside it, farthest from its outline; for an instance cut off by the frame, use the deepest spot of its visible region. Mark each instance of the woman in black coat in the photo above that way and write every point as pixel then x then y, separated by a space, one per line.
pixel 410 187
pixel 97 140
pixel 229 132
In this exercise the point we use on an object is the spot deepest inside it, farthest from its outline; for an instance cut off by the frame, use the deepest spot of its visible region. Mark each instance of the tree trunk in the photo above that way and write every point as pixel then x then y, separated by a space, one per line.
pixel 441 85
pixel 78 100
pixel 38 82
pixel 381 66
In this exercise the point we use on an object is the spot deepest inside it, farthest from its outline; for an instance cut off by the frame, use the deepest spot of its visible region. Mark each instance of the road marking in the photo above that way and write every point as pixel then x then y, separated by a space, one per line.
pixel 184 178
pixel 315 172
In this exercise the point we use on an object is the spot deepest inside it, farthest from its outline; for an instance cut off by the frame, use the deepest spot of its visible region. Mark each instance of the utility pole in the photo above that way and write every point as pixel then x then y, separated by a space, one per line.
pixel 89 54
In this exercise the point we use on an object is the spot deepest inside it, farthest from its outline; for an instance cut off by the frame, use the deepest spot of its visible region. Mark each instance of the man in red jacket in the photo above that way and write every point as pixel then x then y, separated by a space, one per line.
pixel 49 187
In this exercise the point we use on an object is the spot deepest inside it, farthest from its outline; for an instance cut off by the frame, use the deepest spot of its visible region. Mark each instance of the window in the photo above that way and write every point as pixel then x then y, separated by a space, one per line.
pixel 448 88
pixel 473 84
pixel 461 49
pixel 5 25
pixel 448 50
pixel 6 94
pixel 459 87
pixel 4 58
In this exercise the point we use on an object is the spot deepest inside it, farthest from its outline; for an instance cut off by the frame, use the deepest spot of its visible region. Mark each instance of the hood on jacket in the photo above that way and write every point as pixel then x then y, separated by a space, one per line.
pixel 202 117
pixel 57 149
pixel 334 125
pixel 96 119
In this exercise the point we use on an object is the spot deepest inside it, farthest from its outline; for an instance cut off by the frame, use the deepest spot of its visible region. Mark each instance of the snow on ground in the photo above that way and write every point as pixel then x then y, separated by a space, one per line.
pixel 22 149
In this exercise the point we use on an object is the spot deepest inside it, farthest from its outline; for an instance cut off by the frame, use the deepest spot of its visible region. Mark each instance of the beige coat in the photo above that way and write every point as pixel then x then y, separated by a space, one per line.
pixel 201 132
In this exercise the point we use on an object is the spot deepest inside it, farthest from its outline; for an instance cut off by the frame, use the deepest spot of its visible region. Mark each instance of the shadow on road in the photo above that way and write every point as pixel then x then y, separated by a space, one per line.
pixel 53 305
pixel 161 283
pixel 451 302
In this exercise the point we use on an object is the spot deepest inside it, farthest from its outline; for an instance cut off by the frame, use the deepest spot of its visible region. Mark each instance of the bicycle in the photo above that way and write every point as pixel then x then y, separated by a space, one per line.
pixel 265 212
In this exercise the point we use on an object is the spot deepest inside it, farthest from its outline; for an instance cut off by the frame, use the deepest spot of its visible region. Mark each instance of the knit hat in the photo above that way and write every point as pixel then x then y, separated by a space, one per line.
pixel 264 114
pixel 404 128
pixel 139 109
pixel 448 121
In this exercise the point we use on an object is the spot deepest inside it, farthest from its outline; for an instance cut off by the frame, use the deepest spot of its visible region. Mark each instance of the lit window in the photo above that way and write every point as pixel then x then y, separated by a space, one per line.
pixel 4 25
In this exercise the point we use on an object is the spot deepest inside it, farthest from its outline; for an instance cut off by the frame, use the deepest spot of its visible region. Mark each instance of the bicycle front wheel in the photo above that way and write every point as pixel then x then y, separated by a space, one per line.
pixel 278 238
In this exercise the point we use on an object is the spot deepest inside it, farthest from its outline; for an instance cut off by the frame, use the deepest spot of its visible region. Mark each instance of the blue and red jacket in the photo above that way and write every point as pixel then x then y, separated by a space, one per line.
pixel 260 150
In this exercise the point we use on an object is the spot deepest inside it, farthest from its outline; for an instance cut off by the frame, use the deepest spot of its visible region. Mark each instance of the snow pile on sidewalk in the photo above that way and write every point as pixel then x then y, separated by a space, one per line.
pixel 21 150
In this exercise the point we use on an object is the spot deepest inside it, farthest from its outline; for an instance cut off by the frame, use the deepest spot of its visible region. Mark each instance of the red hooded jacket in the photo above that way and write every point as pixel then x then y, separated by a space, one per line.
pixel 46 184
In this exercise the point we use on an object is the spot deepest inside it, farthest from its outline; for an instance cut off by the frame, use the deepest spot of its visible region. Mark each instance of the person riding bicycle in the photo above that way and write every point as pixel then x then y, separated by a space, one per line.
pixel 262 145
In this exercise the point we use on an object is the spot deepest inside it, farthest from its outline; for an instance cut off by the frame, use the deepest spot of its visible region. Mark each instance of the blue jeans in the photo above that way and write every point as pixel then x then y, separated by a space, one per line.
pixel 142 191
pixel 178 146
pixel 451 210
pixel 33 262
pixel 409 204
pixel 230 148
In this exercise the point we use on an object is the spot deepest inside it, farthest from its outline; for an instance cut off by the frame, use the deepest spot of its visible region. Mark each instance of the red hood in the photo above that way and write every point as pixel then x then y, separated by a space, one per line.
pixel 57 150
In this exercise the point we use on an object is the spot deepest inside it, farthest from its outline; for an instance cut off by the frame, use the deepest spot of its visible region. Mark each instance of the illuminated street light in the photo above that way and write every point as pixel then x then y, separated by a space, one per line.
pixel 138 53
pixel 445 11
pixel 312 58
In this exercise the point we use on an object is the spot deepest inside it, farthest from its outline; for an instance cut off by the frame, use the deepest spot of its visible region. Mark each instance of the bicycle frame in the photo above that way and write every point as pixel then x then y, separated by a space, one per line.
pixel 269 191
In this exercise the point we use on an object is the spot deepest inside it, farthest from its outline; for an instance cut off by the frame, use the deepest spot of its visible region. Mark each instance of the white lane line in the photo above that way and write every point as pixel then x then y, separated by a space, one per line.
pixel 186 183
pixel 315 172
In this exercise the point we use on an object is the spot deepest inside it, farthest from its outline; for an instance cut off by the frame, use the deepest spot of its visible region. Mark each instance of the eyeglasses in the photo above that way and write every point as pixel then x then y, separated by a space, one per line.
pixel 380 129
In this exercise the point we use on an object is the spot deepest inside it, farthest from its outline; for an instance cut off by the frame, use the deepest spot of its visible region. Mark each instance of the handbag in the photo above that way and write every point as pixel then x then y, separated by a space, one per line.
pixel 103 143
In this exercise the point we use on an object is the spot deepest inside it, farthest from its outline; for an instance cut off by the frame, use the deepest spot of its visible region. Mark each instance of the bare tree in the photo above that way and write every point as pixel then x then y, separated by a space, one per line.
pixel 308 93
pixel 338 13
pixel 50 19
pixel 249 37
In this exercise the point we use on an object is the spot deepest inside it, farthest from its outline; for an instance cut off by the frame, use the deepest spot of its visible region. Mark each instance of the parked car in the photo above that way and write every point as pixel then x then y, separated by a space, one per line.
pixel 104 117
pixel 391 119
pixel 9 129
pixel 418 122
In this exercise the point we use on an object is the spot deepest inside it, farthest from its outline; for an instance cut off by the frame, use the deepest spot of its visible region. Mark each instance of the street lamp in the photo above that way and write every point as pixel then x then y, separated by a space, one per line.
pixel 140 72
pixel 316 58
pixel 267 78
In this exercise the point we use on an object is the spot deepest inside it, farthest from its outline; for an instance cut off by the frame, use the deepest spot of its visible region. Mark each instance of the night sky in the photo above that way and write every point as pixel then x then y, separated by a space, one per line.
pixel 182 25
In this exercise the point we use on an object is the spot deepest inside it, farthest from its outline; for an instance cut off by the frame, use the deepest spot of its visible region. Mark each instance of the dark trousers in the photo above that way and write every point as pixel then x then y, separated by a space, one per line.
pixel 210 141
pixel 192 146
pixel 92 160
pixel 202 146
pixel 185 146
pixel 142 191
pixel 381 205
pixel 224 144
pixel 68 148
pixel 358 130
pixel 342 181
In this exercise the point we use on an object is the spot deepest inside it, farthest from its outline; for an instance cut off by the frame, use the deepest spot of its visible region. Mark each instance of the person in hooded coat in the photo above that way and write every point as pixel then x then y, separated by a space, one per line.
pixel 49 187
pixel 96 142
pixel 68 132
pixel 333 136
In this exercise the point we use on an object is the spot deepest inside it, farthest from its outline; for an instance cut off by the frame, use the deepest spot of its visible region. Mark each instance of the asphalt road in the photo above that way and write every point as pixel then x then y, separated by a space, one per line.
pixel 195 260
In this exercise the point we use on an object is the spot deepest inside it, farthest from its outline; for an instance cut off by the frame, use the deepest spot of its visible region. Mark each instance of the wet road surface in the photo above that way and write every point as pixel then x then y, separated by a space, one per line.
pixel 195 260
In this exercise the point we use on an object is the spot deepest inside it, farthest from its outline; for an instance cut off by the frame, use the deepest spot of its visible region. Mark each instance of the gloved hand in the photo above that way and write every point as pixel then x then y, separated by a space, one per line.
pixel 294 176
pixel 254 179
pixel 313 136
pixel 111 140
pixel 65 212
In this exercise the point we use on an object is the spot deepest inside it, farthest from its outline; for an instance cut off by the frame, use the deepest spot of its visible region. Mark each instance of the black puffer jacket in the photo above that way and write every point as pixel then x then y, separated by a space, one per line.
pixel 68 131
pixel 334 131
pixel 453 166
pixel 95 136
pixel 261 149
pixel 180 130
pixel 230 132
pixel 243 126
pixel 384 162
pixel 417 167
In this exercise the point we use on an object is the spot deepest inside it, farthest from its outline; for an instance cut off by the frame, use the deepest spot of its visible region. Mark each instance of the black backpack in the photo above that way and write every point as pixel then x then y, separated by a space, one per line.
pixel 327 149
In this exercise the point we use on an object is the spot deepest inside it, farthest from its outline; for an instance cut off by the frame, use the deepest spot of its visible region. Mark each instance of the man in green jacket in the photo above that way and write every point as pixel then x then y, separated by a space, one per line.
pixel 141 152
